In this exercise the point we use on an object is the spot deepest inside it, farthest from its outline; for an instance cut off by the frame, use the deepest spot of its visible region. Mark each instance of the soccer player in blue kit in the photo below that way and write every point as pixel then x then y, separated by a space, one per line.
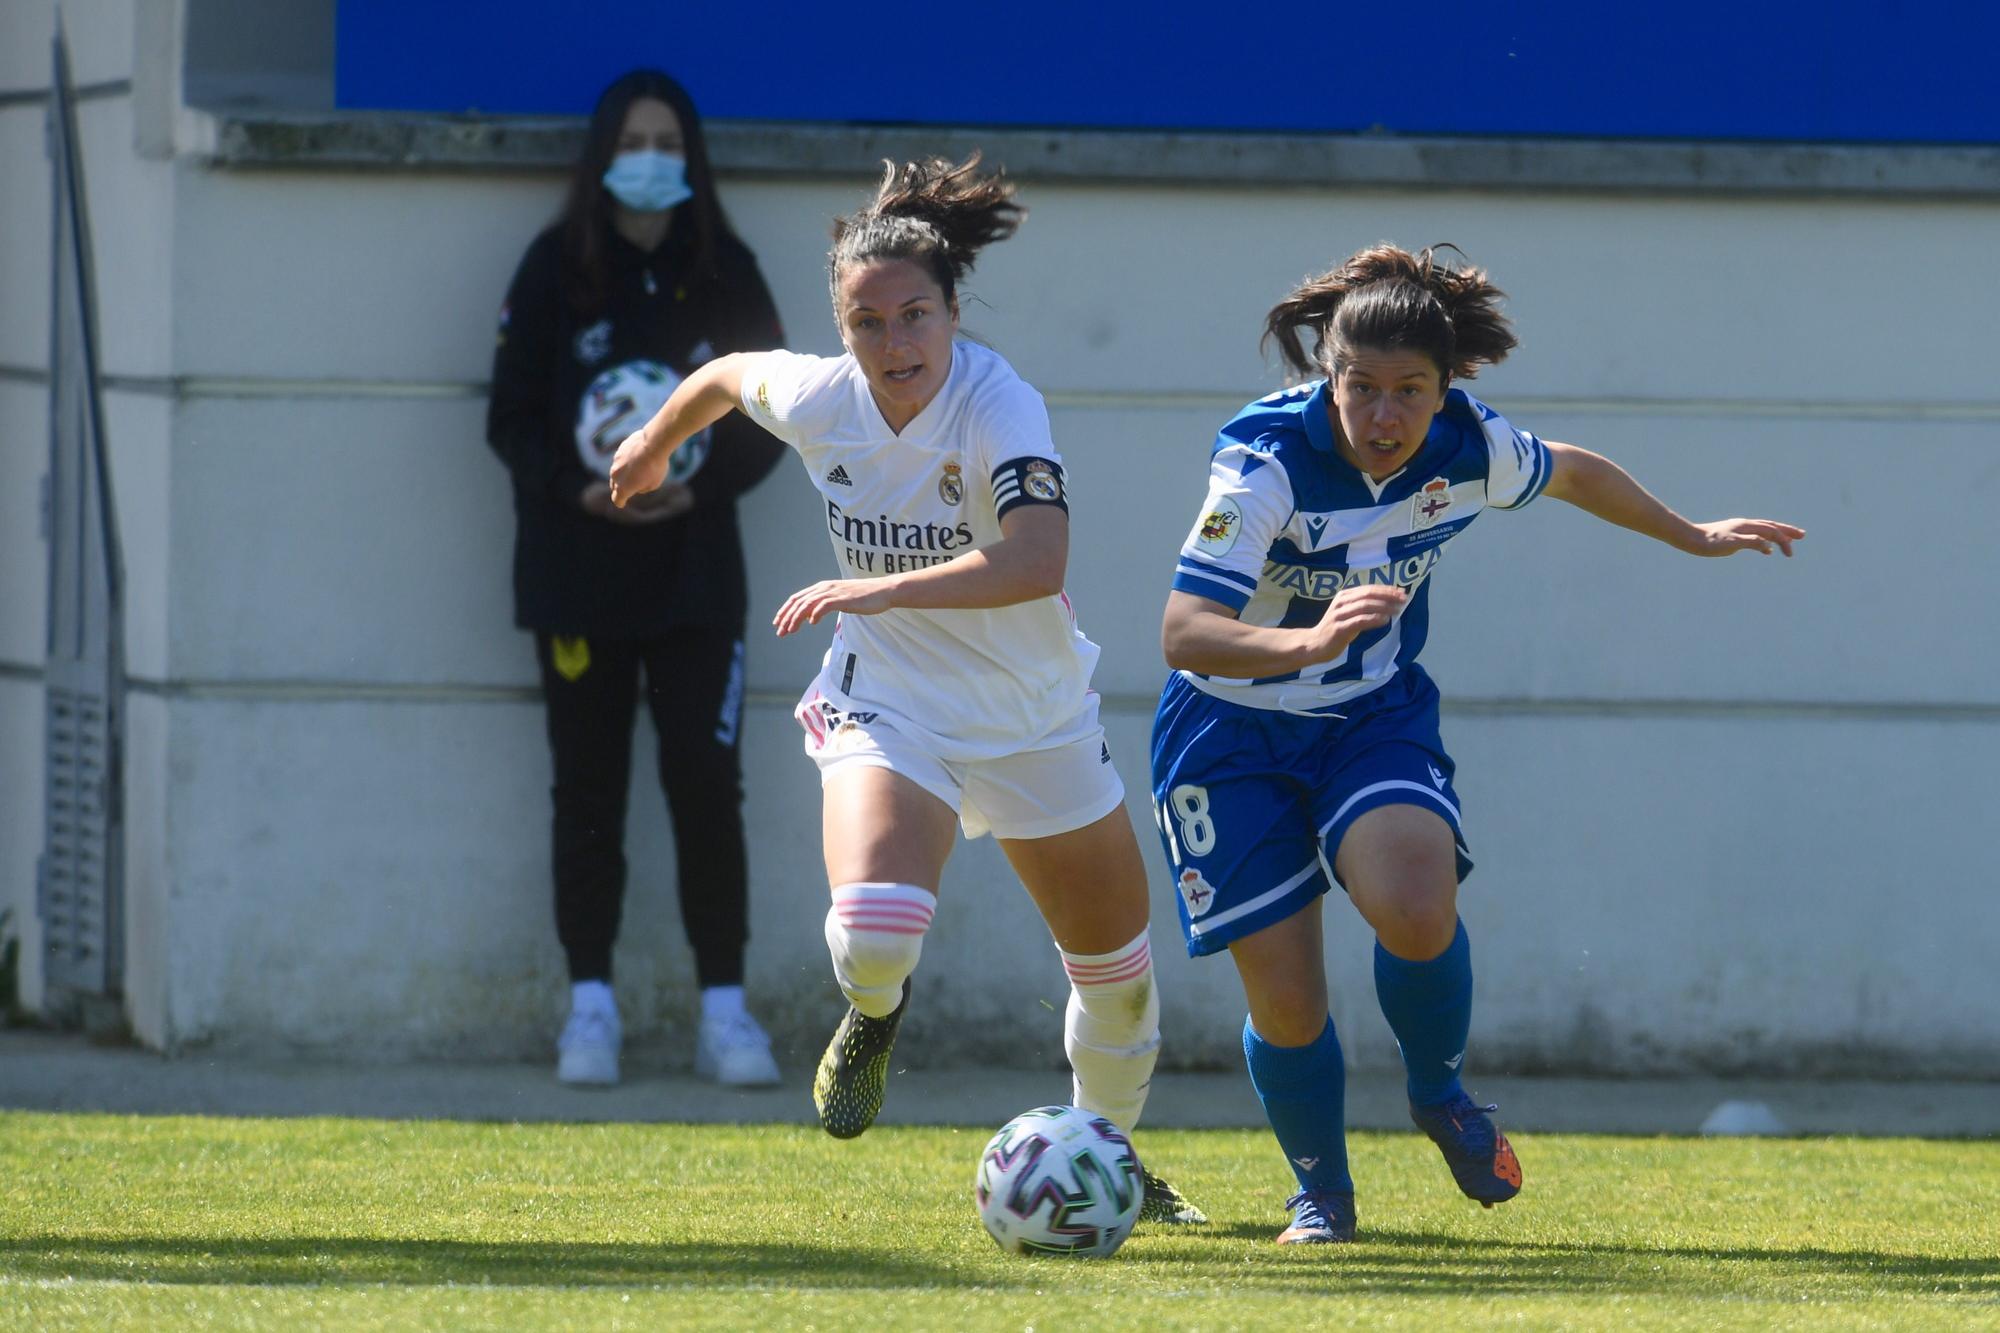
pixel 1296 744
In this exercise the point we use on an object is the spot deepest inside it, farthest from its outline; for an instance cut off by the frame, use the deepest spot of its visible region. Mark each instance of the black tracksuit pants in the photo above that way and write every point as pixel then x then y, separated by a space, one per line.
pixel 694 690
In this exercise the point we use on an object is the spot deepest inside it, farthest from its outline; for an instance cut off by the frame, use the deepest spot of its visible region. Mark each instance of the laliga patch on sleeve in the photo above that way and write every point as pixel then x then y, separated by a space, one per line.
pixel 764 396
pixel 1219 527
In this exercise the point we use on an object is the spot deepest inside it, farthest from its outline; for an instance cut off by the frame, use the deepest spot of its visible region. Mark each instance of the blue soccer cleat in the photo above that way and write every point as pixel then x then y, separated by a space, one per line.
pixel 1319 1217
pixel 1480 1158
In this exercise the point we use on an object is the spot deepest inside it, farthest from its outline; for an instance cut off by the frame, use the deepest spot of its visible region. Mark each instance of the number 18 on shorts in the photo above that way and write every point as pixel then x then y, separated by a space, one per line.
pixel 1252 805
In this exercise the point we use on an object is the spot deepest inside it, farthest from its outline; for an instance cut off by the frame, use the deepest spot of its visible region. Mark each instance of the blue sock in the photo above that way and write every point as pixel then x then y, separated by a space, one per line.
pixel 1429 1008
pixel 1304 1091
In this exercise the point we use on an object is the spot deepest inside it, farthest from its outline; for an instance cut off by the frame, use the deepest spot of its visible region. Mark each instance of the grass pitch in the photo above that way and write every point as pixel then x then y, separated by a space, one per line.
pixel 113 1221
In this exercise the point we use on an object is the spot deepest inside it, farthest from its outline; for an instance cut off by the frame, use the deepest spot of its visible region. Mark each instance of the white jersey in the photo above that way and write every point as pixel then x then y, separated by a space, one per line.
pixel 969 684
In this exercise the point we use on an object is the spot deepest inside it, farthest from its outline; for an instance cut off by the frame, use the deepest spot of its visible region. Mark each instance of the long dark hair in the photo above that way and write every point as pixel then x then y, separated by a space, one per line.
pixel 586 214
pixel 937 214
pixel 1386 297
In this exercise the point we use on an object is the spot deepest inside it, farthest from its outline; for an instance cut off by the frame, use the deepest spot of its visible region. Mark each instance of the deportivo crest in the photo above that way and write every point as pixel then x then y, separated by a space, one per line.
pixel 1196 892
pixel 1040 481
pixel 1219 527
pixel 594 343
pixel 951 486
pixel 1430 504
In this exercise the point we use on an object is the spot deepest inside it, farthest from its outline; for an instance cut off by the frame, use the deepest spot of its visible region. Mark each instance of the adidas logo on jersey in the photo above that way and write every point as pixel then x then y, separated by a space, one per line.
pixel 839 476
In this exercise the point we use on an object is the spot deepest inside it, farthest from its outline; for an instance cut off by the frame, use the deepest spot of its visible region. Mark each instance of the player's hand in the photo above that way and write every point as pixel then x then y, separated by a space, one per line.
pixel 596 501
pixel 861 597
pixel 637 467
pixel 1354 611
pixel 1731 535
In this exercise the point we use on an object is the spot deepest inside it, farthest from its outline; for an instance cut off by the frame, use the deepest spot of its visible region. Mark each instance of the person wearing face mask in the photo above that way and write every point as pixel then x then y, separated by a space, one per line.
pixel 956 691
pixel 1296 745
pixel 639 283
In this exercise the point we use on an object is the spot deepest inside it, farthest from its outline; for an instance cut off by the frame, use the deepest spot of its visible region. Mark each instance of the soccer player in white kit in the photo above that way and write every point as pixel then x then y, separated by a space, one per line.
pixel 957 687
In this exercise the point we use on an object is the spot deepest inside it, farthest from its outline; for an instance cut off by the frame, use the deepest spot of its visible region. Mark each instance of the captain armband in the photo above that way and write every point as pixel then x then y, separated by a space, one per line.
pixel 1028 481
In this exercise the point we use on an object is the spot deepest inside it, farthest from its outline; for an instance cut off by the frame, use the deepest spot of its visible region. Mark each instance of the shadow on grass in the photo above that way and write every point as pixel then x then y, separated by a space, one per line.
pixel 1406 1261
pixel 1383 1262
pixel 361 1260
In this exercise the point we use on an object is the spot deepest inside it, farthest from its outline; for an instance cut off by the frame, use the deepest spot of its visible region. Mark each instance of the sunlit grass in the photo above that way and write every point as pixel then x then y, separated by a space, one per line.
pixel 150 1221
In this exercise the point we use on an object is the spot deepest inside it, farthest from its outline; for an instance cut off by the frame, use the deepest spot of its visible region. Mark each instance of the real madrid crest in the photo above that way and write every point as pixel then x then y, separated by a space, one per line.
pixel 951 487
pixel 1040 480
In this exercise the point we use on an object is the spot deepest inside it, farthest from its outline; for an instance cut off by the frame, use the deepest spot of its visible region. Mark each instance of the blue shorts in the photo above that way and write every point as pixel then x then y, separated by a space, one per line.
pixel 1252 803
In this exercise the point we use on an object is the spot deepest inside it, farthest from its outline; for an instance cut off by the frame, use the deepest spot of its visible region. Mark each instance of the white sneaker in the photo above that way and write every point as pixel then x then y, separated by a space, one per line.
pixel 734 1051
pixel 587 1051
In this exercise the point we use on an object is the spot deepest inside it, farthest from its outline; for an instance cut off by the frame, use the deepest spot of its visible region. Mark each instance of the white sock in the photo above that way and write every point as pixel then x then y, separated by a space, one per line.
pixel 592 995
pixel 1111 1030
pixel 720 1002
pixel 875 933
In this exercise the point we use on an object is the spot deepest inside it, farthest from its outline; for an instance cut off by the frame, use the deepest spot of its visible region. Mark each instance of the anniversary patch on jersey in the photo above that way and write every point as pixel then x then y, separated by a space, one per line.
pixel 1219 527
pixel 1020 481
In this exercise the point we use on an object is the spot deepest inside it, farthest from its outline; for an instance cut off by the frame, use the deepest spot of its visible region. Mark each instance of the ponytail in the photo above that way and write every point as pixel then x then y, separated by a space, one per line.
pixel 1386 297
pixel 933 213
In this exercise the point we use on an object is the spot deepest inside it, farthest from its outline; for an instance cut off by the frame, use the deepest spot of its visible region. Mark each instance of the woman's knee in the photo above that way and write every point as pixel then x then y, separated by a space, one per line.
pixel 1415 925
pixel 1400 870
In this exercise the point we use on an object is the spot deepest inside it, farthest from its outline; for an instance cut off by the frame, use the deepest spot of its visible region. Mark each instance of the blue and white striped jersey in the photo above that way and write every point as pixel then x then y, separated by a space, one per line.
pixel 1289 523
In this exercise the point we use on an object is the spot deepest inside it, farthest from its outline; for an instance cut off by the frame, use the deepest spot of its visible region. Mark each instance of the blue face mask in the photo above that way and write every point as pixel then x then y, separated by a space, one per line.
pixel 648 181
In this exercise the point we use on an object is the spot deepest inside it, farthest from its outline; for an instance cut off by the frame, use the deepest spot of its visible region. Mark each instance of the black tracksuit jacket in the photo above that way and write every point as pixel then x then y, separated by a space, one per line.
pixel 578 574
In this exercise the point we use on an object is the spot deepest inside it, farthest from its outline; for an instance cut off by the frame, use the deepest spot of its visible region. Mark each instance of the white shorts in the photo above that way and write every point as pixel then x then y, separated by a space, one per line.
pixel 1036 793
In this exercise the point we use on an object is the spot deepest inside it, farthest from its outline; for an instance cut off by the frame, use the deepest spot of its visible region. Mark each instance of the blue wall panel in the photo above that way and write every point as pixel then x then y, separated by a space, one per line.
pixel 1777 70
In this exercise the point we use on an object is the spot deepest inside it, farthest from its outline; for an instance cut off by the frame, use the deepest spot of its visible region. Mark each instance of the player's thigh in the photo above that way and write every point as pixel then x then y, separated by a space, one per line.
pixel 1399 864
pixel 1241 851
pixel 1089 883
pixel 880 827
pixel 1283 970
pixel 888 806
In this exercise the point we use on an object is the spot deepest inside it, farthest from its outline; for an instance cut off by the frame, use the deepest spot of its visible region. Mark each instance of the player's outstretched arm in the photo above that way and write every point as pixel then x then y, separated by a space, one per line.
pixel 703 398
pixel 1029 561
pixel 1596 485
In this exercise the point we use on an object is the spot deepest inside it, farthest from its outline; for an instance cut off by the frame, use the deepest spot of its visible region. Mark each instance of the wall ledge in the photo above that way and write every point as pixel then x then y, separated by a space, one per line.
pixel 379 141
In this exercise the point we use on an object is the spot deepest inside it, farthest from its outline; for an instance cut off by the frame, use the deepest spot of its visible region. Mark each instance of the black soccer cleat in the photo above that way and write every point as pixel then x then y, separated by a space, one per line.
pixel 854 1071
pixel 1163 1203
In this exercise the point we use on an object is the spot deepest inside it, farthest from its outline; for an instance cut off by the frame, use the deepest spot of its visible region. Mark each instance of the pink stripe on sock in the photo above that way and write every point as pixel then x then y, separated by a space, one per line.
pixel 1124 967
pixel 851 914
pixel 1137 971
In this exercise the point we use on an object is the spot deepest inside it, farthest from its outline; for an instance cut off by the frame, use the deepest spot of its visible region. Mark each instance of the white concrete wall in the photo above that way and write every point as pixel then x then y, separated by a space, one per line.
pixel 130 201
pixel 1725 812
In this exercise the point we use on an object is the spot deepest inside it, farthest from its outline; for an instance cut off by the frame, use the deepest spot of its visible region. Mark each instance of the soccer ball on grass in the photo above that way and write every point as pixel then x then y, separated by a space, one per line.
pixel 1059 1180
